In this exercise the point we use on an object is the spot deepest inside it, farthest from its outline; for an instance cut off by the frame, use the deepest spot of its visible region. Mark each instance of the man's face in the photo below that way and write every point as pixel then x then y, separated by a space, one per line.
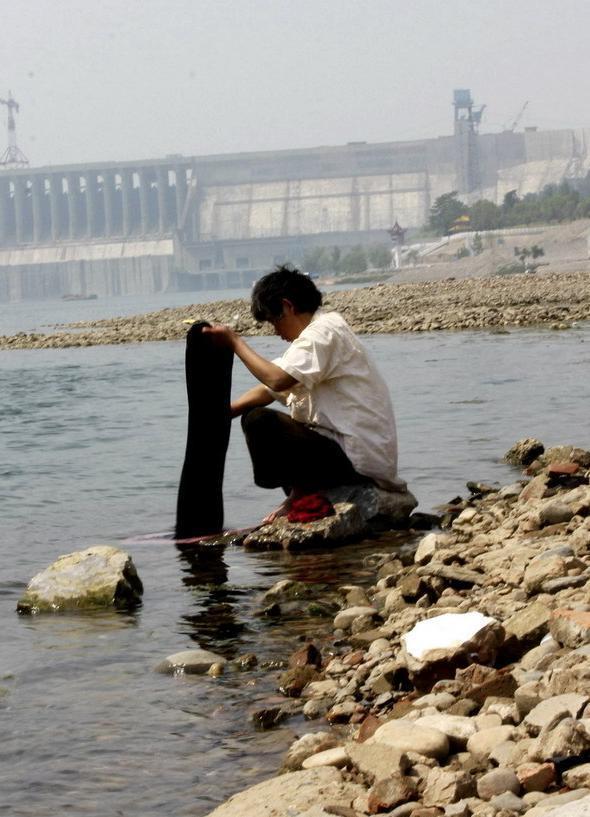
pixel 287 325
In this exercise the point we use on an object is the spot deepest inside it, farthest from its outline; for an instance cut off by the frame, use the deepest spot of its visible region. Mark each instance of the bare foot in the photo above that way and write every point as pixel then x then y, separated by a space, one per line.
pixel 284 507
pixel 282 510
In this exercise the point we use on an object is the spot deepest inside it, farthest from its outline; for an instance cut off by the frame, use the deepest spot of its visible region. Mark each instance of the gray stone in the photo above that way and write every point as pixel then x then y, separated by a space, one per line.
pixel 344 618
pixel 528 624
pixel 359 509
pixel 568 739
pixel 390 792
pixel 376 761
pixel 578 777
pixel 291 793
pixel 407 737
pixel 524 451
pixel 460 809
pixel 191 662
pixel 497 782
pixel 508 802
pixel 444 786
pixel 100 576
pixel 570 804
pixel 551 711
pixel 458 729
pixel 306 746
pixel 482 743
pixel 329 757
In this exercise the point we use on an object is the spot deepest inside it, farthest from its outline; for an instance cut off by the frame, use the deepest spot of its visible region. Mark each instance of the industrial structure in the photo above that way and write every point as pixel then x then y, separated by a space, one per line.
pixel 221 220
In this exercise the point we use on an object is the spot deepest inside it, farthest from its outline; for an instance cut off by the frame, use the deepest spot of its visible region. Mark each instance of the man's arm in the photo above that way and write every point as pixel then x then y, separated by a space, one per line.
pixel 268 373
pixel 258 396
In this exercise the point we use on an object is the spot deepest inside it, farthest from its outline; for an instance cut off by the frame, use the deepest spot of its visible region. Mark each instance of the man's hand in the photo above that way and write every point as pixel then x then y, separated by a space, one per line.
pixel 222 335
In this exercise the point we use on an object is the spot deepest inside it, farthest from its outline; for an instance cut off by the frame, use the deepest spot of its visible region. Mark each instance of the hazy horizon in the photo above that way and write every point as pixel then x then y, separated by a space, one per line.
pixel 147 79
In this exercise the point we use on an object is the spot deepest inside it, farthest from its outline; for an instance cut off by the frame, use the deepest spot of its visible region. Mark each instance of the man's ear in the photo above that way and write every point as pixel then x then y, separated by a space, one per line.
pixel 288 308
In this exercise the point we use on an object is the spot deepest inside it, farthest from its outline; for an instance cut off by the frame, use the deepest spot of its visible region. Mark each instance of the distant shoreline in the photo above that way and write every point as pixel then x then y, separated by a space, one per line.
pixel 553 300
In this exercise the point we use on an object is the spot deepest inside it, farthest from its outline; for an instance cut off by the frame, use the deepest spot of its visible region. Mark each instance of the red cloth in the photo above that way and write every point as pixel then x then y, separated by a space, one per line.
pixel 310 507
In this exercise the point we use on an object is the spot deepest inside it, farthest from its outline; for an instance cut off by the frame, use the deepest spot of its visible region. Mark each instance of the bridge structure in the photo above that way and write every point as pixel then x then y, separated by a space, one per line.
pixel 217 221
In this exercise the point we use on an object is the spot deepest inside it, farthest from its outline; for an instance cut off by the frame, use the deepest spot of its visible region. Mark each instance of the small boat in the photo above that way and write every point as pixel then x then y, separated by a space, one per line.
pixel 91 297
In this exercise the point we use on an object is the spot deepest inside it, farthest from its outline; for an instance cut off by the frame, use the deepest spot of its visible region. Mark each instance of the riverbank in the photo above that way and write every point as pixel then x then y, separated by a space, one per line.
pixel 554 300
pixel 483 712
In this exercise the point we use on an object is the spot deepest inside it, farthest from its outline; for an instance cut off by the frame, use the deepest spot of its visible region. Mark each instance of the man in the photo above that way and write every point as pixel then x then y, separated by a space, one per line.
pixel 341 428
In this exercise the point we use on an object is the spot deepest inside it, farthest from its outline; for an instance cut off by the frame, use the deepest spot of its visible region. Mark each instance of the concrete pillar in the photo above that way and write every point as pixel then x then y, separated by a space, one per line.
pixel 144 186
pixel 91 205
pixel 180 173
pixel 162 179
pixel 108 191
pixel 38 192
pixel 126 187
pixel 55 193
pixel 73 192
pixel 19 208
pixel 3 211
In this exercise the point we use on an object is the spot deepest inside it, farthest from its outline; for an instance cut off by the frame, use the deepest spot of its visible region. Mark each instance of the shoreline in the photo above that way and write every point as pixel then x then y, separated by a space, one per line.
pixel 495 721
pixel 554 300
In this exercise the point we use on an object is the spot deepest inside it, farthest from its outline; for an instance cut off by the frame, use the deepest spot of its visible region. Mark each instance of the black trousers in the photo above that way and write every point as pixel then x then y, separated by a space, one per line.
pixel 208 384
pixel 288 454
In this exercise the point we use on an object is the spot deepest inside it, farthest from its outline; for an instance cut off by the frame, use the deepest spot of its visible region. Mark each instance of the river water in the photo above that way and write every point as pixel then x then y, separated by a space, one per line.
pixel 92 445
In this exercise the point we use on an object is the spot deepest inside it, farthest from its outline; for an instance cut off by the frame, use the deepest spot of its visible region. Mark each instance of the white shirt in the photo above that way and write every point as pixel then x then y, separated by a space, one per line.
pixel 341 394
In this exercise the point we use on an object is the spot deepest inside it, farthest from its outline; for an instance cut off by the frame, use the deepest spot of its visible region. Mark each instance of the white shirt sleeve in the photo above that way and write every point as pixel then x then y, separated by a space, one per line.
pixel 309 358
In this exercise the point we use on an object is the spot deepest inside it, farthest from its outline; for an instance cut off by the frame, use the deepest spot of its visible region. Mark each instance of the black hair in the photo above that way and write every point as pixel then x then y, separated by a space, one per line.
pixel 284 282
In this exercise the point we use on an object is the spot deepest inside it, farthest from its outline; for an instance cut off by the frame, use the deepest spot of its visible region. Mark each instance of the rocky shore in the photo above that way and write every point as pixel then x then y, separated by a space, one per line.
pixel 458 684
pixel 497 303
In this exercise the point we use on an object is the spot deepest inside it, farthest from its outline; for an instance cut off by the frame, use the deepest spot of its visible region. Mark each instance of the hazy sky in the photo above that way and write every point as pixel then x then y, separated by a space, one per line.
pixel 132 79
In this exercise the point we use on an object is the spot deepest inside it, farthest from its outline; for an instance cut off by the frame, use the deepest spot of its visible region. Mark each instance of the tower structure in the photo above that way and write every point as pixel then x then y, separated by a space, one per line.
pixel 467 122
pixel 13 155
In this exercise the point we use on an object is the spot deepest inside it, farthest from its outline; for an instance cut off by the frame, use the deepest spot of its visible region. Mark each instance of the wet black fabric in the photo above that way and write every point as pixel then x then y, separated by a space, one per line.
pixel 208 367
pixel 287 454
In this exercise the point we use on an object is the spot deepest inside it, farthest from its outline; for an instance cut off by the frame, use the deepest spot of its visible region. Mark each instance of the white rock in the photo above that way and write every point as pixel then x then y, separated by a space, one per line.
pixel 456 727
pixel 194 662
pixel 329 757
pixel 344 618
pixel 407 737
pixel 446 632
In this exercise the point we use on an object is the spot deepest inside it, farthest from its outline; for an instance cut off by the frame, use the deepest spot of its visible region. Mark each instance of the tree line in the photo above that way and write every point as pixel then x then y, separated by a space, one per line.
pixel 354 260
pixel 555 203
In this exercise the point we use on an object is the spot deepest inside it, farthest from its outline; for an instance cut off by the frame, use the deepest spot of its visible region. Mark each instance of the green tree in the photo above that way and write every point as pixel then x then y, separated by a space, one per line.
pixel 316 259
pixel 354 261
pixel 379 256
pixel 445 210
pixel 485 215
pixel 477 244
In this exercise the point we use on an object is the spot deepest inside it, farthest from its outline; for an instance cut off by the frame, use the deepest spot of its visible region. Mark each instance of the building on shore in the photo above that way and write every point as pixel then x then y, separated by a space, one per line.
pixel 207 222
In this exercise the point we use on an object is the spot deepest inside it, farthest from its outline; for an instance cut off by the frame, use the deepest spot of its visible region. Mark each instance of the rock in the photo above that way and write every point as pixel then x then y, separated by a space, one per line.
pixel 405 810
pixel 320 689
pixel 542 569
pixel 524 451
pixel 426 549
pixel 246 662
pixel 570 627
pixel 291 793
pixel 578 777
pixel 344 618
pixel 548 713
pixel 329 757
pixel 529 624
pixel 527 696
pixel 306 746
pixel 536 776
pixel 343 712
pixel 508 802
pixel 438 644
pixel 460 809
pixel 100 576
pixel 316 708
pixel 190 662
pixel 454 574
pixel 498 683
pixel 497 782
pixel 390 792
pixel 458 729
pixel 407 737
pixel 359 509
pixel 376 761
pixel 570 804
pixel 568 739
pixel 482 743
pixel 270 716
pixel 293 681
pixel 309 655
pixel 555 512
pixel 444 786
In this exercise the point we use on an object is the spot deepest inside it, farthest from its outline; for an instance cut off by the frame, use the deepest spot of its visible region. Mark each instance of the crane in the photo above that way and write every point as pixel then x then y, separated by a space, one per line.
pixel 512 127
pixel 13 155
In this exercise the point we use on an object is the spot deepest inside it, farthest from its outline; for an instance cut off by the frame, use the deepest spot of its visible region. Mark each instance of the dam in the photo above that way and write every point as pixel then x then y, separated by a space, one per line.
pixel 217 221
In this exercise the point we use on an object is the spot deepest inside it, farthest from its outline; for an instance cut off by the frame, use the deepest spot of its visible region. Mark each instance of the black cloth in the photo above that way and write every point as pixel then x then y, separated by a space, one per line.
pixel 208 383
pixel 287 454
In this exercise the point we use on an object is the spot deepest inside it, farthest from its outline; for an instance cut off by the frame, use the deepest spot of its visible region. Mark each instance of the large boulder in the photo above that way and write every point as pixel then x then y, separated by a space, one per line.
pixel 359 509
pixel 435 647
pixel 100 576
pixel 291 794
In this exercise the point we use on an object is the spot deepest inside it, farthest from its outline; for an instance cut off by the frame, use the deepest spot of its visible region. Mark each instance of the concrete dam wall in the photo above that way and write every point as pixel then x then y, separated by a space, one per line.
pixel 217 221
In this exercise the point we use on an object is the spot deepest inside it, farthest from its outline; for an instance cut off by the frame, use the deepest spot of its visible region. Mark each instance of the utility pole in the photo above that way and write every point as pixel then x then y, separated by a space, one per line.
pixel 13 155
